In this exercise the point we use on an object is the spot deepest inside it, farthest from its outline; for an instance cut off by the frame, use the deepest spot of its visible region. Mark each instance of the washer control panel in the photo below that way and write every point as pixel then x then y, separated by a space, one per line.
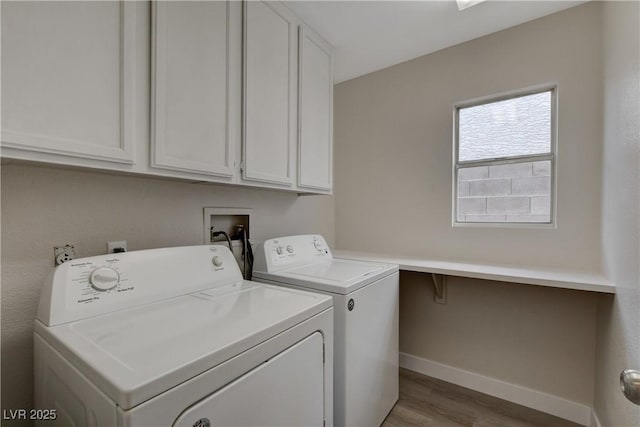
pixel 288 251
pixel 87 287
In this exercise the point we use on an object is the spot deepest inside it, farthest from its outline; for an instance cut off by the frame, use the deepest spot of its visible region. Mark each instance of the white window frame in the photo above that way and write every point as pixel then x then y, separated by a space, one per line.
pixel 552 156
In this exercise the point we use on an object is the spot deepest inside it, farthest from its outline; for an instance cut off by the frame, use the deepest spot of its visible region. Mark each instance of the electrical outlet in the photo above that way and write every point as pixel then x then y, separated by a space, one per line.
pixel 116 246
pixel 62 254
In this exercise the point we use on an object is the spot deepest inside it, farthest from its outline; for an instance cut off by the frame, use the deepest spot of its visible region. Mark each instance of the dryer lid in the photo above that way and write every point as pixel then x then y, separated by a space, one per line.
pixel 136 354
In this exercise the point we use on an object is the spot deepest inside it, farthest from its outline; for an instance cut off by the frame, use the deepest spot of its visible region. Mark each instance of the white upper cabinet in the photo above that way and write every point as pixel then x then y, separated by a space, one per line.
pixel 67 79
pixel 315 122
pixel 270 86
pixel 196 93
pixel 239 92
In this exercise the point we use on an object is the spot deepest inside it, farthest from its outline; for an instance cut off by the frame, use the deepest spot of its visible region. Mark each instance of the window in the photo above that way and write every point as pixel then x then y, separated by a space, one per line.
pixel 504 159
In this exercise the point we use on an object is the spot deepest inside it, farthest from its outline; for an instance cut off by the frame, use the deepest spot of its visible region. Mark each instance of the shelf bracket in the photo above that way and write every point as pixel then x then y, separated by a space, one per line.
pixel 439 288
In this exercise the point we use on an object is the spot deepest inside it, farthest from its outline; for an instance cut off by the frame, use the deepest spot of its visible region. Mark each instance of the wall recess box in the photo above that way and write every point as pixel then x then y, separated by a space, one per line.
pixel 225 219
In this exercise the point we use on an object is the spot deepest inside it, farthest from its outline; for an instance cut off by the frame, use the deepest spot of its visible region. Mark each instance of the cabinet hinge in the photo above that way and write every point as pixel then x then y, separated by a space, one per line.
pixel 242 166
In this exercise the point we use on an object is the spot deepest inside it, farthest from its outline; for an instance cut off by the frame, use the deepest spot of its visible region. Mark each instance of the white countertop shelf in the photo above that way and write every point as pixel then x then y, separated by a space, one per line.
pixel 565 279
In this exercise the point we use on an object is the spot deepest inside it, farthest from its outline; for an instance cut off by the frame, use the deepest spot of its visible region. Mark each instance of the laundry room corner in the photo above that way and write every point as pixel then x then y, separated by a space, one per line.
pixel 340 213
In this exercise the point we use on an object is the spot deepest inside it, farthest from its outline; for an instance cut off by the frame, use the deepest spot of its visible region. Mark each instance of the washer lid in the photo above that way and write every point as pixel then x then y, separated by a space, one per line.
pixel 340 276
pixel 136 354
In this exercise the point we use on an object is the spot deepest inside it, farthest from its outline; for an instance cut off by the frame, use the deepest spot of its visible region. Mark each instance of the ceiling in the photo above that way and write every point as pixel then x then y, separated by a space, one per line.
pixel 371 35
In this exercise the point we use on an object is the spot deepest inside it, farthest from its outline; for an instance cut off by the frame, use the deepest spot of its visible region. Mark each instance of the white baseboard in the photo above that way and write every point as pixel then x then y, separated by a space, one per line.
pixel 544 402
pixel 595 421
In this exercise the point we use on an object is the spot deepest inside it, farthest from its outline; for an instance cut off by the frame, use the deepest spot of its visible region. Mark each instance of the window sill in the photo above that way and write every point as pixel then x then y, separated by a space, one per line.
pixel 564 279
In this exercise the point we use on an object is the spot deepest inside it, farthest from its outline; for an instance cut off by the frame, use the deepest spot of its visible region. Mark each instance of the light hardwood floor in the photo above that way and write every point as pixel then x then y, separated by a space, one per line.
pixel 426 401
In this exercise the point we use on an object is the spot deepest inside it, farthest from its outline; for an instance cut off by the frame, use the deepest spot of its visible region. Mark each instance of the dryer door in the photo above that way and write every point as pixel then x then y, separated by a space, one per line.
pixel 287 390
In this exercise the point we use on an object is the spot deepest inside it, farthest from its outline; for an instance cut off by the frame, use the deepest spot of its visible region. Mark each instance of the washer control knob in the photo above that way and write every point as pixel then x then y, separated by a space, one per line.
pixel 279 250
pixel 104 278
pixel 217 261
pixel 290 249
pixel 317 245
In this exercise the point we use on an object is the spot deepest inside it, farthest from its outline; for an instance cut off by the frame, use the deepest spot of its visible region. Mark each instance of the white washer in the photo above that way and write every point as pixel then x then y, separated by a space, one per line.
pixel 365 298
pixel 175 337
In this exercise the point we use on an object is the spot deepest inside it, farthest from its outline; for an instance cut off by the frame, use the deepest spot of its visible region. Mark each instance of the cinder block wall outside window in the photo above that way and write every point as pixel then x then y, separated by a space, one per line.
pixel 517 192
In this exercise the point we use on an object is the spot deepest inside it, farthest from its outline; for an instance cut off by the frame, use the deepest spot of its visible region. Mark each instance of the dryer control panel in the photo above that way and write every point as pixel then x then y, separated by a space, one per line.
pixel 87 287
pixel 275 254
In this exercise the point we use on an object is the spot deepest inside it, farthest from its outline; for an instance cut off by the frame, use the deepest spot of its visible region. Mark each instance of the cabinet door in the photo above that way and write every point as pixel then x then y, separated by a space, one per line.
pixel 269 93
pixel 195 100
pixel 67 78
pixel 315 149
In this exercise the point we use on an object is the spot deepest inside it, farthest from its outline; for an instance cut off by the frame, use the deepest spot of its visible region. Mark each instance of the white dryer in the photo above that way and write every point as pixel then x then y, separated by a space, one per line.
pixel 175 337
pixel 365 298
